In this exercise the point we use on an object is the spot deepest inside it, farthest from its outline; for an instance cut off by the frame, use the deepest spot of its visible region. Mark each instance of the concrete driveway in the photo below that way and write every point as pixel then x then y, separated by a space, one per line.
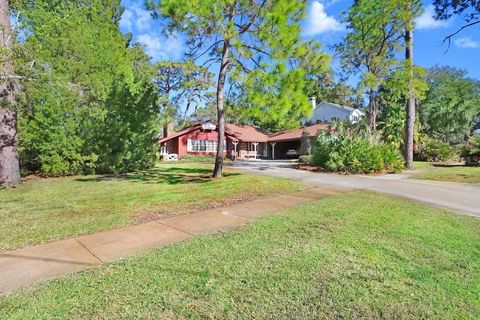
pixel 458 197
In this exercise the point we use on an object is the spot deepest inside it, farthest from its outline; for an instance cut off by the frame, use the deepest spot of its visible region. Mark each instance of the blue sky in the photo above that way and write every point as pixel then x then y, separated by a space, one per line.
pixel 323 23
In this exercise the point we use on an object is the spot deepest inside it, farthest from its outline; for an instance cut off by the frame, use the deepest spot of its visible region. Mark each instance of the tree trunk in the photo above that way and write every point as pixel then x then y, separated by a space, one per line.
pixel 372 110
pixel 222 75
pixel 410 119
pixel 9 163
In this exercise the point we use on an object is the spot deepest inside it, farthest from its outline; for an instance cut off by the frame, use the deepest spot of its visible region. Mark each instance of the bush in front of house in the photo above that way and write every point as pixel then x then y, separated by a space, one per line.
pixel 305 159
pixel 346 151
pixel 434 150
pixel 471 153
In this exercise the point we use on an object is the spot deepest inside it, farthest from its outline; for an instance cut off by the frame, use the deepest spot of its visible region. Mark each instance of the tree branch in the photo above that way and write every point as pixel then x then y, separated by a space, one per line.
pixel 448 38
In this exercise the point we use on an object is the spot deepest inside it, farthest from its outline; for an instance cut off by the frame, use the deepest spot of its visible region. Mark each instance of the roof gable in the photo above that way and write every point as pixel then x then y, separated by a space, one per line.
pixel 336 106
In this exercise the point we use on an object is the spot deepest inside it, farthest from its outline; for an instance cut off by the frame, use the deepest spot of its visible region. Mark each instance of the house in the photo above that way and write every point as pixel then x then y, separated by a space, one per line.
pixel 241 141
pixel 326 112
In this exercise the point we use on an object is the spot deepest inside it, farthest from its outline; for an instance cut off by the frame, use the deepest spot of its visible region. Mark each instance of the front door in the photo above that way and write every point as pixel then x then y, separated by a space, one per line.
pixel 265 150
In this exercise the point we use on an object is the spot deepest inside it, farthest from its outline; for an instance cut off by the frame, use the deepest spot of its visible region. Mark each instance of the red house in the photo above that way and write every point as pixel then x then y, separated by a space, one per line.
pixel 242 141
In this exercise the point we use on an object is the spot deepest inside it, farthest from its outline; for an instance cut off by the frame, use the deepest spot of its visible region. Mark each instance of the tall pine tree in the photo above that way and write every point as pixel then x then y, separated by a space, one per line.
pixel 239 36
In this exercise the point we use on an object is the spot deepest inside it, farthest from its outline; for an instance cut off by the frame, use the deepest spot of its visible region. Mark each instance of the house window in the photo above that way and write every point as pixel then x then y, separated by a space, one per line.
pixel 202 145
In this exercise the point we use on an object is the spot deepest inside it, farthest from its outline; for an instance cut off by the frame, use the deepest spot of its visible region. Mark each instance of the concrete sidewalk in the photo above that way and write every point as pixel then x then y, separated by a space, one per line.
pixel 31 265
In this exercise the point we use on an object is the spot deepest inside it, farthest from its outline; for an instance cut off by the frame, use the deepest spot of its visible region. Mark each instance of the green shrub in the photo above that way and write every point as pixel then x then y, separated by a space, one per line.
pixel 471 153
pixel 346 151
pixel 305 159
pixel 434 150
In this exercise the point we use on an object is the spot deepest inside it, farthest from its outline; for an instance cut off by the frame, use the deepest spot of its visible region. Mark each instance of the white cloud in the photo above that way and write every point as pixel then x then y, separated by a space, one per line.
pixel 465 42
pixel 143 18
pixel 427 20
pixel 126 22
pixel 161 48
pixel 318 21
pixel 136 15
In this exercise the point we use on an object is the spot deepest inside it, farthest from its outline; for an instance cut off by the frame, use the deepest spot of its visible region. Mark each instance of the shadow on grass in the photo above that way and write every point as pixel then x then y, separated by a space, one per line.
pixel 449 165
pixel 171 175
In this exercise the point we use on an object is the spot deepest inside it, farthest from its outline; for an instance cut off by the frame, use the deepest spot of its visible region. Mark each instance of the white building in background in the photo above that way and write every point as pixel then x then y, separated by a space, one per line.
pixel 326 112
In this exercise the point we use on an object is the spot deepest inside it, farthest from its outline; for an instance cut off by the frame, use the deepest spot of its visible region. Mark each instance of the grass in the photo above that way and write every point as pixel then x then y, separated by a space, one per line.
pixel 452 173
pixel 48 209
pixel 357 255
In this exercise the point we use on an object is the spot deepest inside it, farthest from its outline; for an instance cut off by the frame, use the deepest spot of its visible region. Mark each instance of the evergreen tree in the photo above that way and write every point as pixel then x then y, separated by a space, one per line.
pixel 375 32
pixel 181 84
pixel 87 102
pixel 411 9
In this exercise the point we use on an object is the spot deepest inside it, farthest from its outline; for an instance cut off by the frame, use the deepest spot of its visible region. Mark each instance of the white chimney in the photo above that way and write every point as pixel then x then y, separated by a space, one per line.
pixel 313 102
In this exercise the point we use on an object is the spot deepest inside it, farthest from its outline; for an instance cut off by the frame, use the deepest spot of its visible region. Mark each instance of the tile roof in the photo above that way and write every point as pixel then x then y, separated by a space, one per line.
pixel 246 133
pixel 296 134
pixel 237 132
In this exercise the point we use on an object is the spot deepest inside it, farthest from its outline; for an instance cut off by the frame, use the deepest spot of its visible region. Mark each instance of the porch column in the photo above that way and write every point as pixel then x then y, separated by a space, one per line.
pixel 235 143
pixel 273 149
pixel 164 149
pixel 255 144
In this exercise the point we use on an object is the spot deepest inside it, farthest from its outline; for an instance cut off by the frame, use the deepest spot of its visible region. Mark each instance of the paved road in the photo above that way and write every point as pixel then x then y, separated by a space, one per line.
pixel 454 196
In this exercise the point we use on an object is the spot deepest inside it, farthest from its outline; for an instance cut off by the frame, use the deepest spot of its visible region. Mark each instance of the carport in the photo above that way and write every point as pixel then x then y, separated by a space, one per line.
pixel 283 143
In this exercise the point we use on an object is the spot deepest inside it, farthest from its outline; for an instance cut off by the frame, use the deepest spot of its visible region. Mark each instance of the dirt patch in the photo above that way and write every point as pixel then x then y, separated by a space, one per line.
pixel 151 215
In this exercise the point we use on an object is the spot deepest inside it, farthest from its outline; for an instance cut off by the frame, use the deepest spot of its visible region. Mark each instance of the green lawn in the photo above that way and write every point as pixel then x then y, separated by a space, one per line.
pixel 357 255
pixel 447 173
pixel 47 209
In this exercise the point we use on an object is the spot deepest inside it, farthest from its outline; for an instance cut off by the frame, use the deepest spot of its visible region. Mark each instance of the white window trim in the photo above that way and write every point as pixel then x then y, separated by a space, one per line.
pixel 209 146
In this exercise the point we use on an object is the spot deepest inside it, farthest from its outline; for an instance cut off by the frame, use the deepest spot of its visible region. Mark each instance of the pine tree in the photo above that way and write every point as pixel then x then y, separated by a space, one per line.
pixel 9 162
pixel 238 36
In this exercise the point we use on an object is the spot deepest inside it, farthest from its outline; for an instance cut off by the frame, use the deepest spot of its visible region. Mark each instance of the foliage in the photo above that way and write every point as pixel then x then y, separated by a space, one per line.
pixel 274 101
pixel 348 151
pixel 434 150
pixel 324 88
pixel 305 144
pixel 445 9
pixel 87 102
pixel 375 31
pixel 452 104
pixel 305 159
pixel 392 100
pixel 471 153
pixel 277 99
pixel 181 84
